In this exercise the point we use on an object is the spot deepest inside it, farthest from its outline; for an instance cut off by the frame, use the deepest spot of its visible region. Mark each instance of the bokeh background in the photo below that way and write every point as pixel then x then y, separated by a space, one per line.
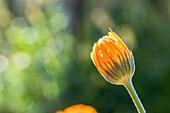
pixel 45 48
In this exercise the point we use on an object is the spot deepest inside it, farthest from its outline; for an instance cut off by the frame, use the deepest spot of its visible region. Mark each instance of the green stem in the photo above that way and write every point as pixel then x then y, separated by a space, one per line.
pixel 134 96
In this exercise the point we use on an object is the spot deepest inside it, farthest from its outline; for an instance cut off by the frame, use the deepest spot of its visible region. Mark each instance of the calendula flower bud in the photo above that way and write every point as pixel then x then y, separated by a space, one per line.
pixel 113 59
pixel 116 64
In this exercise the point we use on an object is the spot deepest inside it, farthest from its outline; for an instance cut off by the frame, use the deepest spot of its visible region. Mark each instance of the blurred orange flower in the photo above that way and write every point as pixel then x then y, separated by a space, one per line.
pixel 113 59
pixel 80 108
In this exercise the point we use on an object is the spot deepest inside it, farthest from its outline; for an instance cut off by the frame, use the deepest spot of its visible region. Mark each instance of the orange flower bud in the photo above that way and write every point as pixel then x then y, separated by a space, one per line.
pixel 80 108
pixel 113 59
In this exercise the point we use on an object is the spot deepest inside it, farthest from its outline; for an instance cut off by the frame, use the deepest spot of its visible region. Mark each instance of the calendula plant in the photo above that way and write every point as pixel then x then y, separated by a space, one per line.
pixel 116 64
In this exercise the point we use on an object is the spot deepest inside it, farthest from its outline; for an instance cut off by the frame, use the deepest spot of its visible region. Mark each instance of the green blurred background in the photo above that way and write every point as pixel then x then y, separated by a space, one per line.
pixel 45 48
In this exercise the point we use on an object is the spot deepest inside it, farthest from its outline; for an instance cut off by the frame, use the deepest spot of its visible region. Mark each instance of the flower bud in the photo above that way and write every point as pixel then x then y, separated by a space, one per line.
pixel 113 59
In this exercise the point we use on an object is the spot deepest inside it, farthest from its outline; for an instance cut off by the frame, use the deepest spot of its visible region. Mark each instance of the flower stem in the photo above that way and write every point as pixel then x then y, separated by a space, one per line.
pixel 134 96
